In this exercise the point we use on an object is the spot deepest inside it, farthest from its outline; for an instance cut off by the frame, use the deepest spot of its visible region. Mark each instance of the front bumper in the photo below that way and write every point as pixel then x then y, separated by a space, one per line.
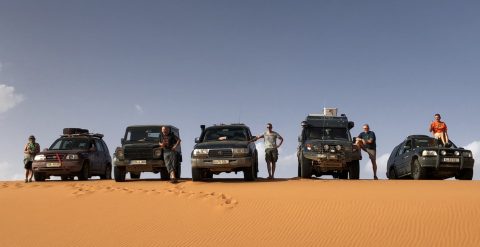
pixel 222 164
pixel 140 165
pixel 58 168
pixel 439 162
pixel 327 161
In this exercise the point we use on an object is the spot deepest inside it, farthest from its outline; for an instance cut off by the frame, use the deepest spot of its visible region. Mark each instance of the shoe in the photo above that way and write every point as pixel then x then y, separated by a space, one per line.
pixel 375 177
pixel 174 181
pixel 26 180
pixel 30 180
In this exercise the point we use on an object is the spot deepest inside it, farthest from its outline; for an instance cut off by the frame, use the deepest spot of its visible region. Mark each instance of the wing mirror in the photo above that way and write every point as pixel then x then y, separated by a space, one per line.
pixel 197 140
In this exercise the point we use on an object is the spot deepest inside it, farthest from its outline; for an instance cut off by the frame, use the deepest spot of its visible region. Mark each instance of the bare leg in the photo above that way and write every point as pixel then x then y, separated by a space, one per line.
pixel 374 166
pixel 269 170
pixel 31 175
pixel 273 169
pixel 26 175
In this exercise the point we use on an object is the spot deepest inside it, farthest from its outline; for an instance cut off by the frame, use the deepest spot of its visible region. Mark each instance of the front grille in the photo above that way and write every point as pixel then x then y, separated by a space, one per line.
pixel 220 153
pixel 138 153
pixel 53 157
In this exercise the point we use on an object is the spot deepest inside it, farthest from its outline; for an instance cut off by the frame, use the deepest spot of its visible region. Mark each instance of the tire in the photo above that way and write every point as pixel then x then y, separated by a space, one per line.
pixel 465 174
pixel 418 172
pixel 84 173
pixel 255 174
pixel 119 173
pixel 248 173
pixel 343 175
pixel 164 174
pixel 39 177
pixel 108 172
pixel 197 174
pixel 306 168
pixel 354 169
pixel 299 169
pixel 392 174
pixel 134 175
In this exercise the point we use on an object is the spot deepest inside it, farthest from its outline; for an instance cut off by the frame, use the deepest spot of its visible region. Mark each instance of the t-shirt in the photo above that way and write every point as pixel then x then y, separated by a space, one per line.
pixel 168 140
pixel 271 139
pixel 438 127
pixel 367 136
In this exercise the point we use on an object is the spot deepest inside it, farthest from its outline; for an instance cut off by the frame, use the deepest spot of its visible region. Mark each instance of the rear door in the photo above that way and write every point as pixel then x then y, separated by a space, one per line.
pixel 404 157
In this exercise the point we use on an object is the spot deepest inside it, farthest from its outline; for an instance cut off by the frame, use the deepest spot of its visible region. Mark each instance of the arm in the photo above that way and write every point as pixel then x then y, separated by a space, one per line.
pixel 372 139
pixel 25 149
pixel 281 141
pixel 257 137
pixel 176 143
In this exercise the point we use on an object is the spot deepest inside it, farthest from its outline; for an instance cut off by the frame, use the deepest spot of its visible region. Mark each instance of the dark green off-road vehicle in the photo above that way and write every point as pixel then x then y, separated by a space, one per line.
pixel 141 152
pixel 326 147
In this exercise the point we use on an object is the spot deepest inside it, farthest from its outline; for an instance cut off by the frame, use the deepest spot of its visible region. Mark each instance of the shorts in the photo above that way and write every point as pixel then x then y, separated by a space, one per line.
pixel 372 153
pixel 28 164
pixel 271 155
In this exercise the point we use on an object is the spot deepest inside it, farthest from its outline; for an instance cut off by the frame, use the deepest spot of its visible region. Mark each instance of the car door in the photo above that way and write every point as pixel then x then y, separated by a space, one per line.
pixel 100 157
pixel 404 157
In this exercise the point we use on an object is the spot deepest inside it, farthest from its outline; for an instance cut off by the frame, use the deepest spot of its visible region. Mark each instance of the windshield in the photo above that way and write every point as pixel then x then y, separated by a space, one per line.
pixel 326 133
pixel 428 142
pixel 151 134
pixel 71 144
pixel 225 134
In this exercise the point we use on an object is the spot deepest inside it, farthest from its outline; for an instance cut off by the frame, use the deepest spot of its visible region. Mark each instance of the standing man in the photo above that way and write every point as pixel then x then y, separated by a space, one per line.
pixel 169 142
pixel 439 129
pixel 30 150
pixel 271 148
pixel 368 142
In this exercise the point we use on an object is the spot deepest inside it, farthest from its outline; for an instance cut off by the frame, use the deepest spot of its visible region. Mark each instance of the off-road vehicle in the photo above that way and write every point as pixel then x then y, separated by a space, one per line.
pixel 424 157
pixel 141 152
pixel 224 148
pixel 76 153
pixel 326 147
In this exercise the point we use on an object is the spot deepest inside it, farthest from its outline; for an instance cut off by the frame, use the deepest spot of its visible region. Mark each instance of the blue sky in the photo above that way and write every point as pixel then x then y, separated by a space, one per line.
pixel 103 65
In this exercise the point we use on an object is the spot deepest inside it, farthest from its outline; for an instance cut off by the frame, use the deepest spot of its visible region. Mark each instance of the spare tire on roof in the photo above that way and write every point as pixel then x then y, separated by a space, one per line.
pixel 71 131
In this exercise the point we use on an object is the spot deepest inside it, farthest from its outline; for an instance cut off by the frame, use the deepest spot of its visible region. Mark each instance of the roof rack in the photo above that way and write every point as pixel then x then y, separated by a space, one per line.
pixel 84 134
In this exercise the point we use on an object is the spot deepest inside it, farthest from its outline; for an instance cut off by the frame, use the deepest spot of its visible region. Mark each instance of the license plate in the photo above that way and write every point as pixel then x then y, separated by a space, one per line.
pixel 451 160
pixel 53 164
pixel 220 162
pixel 138 162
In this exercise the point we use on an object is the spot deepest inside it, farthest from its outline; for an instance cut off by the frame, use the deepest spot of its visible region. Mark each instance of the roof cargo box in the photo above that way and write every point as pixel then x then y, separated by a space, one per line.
pixel 73 131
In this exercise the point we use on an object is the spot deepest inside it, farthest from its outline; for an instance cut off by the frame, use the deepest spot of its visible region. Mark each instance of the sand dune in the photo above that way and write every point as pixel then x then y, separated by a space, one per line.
pixel 232 212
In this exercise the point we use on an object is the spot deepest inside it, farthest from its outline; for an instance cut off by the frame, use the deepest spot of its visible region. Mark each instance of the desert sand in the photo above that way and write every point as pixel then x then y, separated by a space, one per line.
pixel 283 212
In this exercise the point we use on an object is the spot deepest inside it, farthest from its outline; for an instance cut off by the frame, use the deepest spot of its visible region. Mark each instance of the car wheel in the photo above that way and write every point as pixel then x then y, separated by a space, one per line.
pixel 299 169
pixel 343 175
pixel 306 168
pixel 197 174
pixel 134 175
pixel 465 174
pixel 39 177
pixel 392 174
pixel 418 172
pixel 164 174
pixel 354 169
pixel 248 173
pixel 119 173
pixel 108 172
pixel 84 173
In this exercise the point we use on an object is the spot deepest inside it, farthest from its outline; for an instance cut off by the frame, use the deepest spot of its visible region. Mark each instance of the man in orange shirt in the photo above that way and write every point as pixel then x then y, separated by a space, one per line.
pixel 439 129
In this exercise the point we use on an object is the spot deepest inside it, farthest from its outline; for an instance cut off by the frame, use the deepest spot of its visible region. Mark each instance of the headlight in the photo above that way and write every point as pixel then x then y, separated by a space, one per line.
pixel 200 151
pixel 429 153
pixel 465 154
pixel 71 157
pixel 443 152
pixel 240 151
pixel 309 147
pixel 39 157
pixel 157 153
pixel 456 153
pixel 338 147
pixel 326 147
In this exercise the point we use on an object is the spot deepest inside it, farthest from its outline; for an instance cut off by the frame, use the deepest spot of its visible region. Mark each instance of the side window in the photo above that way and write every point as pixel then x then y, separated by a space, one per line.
pixel 105 147
pixel 99 146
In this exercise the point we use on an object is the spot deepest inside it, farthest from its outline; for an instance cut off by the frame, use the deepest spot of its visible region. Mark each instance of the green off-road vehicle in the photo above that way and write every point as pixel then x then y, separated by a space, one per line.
pixel 326 147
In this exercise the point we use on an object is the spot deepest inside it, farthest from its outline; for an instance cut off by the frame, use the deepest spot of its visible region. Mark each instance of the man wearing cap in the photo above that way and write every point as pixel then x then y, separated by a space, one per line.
pixel 30 150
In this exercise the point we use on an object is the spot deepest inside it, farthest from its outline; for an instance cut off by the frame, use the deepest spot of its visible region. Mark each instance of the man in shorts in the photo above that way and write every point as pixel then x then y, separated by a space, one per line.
pixel 271 148
pixel 439 129
pixel 368 142
pixel 30 150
